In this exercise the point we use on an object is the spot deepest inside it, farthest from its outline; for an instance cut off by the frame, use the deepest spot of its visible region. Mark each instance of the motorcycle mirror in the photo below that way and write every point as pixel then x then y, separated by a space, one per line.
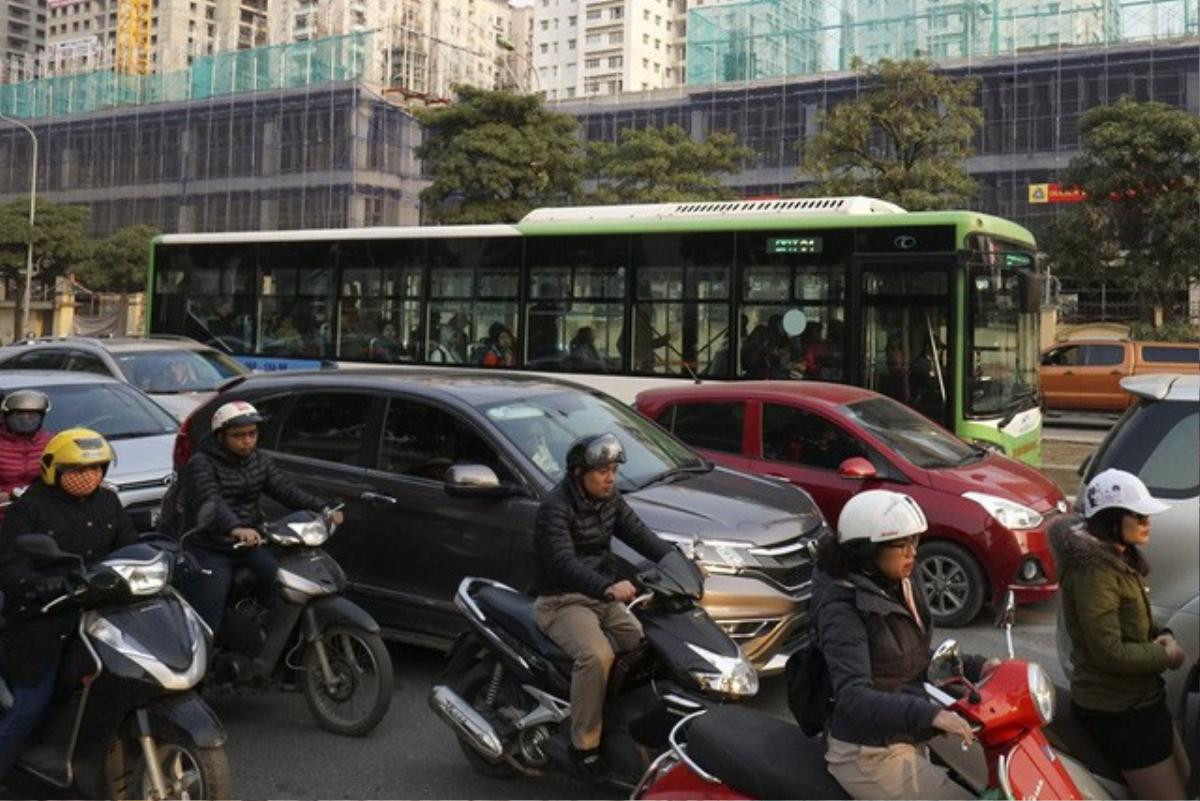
pixel 40 545
pixel 946 665
pixel 1006 615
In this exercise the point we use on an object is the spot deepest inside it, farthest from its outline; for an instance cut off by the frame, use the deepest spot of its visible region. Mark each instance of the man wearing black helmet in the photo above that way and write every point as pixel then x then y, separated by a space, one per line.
pixel 580 598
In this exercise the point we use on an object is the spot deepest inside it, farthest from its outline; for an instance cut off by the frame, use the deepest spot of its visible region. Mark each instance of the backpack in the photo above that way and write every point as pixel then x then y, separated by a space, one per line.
pixel 809 688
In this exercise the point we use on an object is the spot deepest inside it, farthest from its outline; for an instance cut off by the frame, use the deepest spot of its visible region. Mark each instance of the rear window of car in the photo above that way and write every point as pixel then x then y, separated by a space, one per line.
pixel 1170 353
pixel 1156 441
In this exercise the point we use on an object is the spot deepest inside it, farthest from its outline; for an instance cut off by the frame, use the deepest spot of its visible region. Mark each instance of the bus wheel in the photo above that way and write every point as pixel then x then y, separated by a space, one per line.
pixel 954 583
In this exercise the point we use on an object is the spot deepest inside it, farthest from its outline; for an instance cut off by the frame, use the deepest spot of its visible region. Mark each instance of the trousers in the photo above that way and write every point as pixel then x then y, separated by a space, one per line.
pixel 208 590
pixel 29 707
pixel 592 633
pixel 896 771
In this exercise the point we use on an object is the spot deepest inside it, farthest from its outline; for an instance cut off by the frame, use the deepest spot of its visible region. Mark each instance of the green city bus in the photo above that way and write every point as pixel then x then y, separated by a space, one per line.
pixel 937 309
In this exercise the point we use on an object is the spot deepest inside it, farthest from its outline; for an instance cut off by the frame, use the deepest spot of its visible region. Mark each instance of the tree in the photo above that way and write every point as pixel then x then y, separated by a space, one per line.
pixel 120 262
pixel 59 242
pixel 660 165
pixel 1140 170
pixel 494 156
pixel 904 140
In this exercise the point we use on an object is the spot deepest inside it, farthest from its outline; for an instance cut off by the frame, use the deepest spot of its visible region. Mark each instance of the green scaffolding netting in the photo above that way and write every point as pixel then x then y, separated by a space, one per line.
pixel 298 64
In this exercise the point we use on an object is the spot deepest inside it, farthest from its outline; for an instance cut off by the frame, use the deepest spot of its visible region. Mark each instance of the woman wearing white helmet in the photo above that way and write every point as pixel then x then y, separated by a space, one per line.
pixel 873 629
pixel 1118 654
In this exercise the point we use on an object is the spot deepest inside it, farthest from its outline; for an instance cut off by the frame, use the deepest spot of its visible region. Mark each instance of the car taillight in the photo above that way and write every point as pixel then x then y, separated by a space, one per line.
pixel 183 445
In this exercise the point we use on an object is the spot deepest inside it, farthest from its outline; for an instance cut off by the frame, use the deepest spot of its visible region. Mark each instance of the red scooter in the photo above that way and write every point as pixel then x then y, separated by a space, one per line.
pixel 731 752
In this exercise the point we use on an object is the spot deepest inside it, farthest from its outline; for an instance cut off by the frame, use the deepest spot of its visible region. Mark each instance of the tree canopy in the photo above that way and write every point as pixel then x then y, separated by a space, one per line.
pixel 1139 166
pixel 661 165
pixel 59 242
pixel 904 139
pixel 120 262
pixel 494 156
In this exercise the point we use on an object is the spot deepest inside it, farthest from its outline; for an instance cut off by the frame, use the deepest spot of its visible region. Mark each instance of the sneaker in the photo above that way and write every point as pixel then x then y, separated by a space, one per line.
pixel 589 765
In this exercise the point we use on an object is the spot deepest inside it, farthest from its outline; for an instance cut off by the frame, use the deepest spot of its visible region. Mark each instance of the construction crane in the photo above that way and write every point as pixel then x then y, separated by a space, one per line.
pixel 133 36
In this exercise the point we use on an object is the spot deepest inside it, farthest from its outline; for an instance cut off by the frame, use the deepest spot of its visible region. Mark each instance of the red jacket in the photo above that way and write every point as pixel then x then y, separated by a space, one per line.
pixel 20 459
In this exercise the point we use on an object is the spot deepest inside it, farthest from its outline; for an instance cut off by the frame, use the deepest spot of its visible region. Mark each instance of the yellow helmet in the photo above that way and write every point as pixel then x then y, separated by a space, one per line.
pixel 75 447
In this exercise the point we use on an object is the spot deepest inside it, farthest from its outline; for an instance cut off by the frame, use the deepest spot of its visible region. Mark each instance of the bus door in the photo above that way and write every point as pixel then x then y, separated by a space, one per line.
pixel 903 337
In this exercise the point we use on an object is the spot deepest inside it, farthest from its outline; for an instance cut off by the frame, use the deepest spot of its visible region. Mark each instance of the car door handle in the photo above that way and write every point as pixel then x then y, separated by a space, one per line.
pixel 377 499
pixel 1117 372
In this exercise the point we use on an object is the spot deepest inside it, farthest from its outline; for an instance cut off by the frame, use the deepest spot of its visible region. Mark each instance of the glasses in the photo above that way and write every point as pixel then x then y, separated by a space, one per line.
pixel 906 544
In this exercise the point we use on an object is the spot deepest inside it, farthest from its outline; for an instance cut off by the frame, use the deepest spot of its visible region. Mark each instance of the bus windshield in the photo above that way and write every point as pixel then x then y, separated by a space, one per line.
pixel 1002 342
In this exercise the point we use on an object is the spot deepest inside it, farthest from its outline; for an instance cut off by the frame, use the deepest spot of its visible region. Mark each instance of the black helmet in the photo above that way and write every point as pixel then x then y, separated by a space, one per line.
pixel 594 451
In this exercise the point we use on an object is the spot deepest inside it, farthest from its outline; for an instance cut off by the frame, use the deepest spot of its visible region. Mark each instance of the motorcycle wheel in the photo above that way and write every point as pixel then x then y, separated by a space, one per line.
pixel 472 687
pixel 362 690
pixel 191 771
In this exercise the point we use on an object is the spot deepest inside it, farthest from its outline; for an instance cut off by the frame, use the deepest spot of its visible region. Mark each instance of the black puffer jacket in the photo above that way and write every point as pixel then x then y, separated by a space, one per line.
pixel 235 485
pixel 572 539
pixel 91 527
pixel 877 657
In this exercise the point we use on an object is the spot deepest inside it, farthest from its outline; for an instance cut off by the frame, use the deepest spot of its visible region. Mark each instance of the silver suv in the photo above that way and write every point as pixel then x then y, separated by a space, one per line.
pixel 179 373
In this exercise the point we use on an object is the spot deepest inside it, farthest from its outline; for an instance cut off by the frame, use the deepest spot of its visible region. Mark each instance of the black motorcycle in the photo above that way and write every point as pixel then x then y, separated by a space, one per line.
pixel 126 722
pixel 333 645
pixel 507 684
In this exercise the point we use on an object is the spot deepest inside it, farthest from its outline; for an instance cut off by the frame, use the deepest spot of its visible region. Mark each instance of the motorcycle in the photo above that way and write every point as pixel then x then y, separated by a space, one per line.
pixel 126 721
pixel 729 753
pixel 333 645
pixel 506 683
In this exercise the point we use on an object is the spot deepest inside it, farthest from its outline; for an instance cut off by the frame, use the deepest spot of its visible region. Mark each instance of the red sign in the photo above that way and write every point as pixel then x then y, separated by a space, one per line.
pixel 1054 193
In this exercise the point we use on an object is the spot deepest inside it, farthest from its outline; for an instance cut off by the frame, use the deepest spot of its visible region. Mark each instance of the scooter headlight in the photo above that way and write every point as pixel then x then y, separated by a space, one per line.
pixel 1042 690
pixel 732 675
pixel 311 532
pixel 143 578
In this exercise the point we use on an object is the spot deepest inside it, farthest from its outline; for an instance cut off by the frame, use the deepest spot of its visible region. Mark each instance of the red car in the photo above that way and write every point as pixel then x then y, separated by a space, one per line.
pixel 987 513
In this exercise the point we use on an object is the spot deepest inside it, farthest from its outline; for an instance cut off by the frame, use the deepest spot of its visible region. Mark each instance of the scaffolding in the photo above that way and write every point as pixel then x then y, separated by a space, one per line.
pixel 286 66
pixel 762 39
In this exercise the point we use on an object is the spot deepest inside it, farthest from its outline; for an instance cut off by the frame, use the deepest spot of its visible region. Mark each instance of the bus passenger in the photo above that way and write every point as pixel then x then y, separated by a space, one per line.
pixel 499 348
pixel 584 355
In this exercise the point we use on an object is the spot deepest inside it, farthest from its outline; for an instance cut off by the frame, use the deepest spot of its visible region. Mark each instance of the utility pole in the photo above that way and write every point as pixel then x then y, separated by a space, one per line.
pixel 32 215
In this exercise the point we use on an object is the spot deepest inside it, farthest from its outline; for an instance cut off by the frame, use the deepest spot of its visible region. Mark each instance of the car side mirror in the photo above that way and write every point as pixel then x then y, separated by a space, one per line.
pixel 42 546
pixel 473 481
pixel 858 468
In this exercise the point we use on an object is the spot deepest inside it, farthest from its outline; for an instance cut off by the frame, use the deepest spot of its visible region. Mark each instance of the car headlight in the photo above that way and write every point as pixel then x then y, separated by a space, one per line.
pixel 732 675
pixel 143 578
pixel 1007 513
pixel 727 557
pixel 1042 690
pixel 311 532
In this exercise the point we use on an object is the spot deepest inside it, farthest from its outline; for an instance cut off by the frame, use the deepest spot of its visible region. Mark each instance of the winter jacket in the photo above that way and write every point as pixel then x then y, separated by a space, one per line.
pixel 877 658
pixel 572 536
pixel 234 486
pixel 1115 663
pixel 92 527
pixel 20 459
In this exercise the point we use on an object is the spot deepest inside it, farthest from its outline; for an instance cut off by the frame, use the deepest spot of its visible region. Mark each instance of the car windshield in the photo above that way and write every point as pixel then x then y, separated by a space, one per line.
pixel 914 437
pixel 114 410
pixel 177 370
pixel 544 426
pixel 1004 339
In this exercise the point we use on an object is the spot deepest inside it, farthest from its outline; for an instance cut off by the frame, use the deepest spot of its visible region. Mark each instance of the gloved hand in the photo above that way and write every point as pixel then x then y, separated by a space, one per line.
pixel 49 588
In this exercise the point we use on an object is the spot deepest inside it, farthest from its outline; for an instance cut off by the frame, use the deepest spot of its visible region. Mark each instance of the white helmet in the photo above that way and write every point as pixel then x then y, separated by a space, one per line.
pixel 1119 489
pixel 234 413
pixel 879 516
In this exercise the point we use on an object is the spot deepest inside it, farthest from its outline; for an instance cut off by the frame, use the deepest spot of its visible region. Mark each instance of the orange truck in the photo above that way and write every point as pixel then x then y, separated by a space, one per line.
pixel 1087 373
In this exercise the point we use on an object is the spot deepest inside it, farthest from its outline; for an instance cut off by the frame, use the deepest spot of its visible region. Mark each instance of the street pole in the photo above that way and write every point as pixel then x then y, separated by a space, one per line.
pixel 32 214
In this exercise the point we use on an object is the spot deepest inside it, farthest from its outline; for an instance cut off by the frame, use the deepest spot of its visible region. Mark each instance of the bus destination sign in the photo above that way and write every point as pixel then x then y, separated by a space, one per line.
pixel 795 244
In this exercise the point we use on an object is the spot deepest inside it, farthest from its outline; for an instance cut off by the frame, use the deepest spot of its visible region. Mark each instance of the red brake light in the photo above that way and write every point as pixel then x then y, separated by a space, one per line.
pixel 183 444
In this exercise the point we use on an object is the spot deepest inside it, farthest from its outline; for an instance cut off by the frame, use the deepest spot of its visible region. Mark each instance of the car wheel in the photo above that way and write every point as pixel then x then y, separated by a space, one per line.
pixel 954 583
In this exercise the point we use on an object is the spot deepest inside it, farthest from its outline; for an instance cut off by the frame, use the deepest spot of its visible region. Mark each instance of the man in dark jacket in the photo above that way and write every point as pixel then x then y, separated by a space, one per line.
pixel 84 518
pixel 228 474
pixel 581 599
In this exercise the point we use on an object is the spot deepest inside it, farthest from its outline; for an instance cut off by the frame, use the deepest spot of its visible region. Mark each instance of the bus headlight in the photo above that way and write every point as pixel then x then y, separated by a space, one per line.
pixel 1007 513
pixel 1042 690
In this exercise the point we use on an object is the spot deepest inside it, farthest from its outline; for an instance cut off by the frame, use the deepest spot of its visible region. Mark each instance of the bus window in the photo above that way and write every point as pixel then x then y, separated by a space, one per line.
pixel 473 298
pixel 296 302
pixel 207 293
pixel 379 302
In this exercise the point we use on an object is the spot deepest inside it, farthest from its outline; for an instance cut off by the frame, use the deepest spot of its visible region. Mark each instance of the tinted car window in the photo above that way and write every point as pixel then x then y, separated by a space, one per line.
pixel 326 425
pixel 716 426
pixel 800 437
pixel 1157 443
pixel 82 362
pixel 1164 353
pixel 1103 355
pixel 1062 357
pixel 914 437
pixel 423 441
pixel 42 359
pixel 115 410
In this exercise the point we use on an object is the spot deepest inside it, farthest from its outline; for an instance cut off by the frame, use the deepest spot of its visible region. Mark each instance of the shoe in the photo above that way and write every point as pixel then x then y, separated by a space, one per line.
pixel 589 765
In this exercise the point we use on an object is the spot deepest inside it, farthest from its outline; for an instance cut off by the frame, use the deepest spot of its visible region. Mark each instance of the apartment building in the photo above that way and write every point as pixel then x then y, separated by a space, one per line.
pixel 584 48
pixel 22 25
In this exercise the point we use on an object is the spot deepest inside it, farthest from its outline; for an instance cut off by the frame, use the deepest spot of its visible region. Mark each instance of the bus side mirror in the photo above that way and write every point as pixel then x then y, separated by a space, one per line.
pixel 1029 291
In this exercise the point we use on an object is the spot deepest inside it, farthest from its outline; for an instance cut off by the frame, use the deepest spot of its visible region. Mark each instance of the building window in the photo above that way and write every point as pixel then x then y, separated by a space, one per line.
pixel 545 25
pixel 615 37
pixel 614 86
pixel 570 91
pixel 570 44
pixel 593 13
pixel 616 61
pixel 545 47
pixel 645 38
pixel 592 87
pixel 591 63
pixel 616 13
pixel 573 20
pixel 646 15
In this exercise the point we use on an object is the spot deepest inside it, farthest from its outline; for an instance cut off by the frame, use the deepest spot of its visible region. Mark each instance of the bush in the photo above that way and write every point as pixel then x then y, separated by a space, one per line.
pixel 1173 331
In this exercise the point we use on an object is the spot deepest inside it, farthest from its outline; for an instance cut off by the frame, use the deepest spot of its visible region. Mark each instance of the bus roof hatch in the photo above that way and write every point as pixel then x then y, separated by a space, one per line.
pixel 668 211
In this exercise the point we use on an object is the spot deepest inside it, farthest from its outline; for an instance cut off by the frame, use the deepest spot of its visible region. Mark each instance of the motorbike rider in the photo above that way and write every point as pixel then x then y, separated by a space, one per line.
pixel 873 628
pixel 85 518
pixel 580 598
pixel 1118 654
pixel 22 440
pixel 230 473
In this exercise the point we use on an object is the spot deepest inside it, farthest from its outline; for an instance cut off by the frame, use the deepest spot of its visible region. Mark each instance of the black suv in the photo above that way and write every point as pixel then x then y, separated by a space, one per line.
pixel 442 473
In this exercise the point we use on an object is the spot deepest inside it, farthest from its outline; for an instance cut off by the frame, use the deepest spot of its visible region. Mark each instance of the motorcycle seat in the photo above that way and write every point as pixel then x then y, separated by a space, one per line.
pixel 514 612
pixel 761 756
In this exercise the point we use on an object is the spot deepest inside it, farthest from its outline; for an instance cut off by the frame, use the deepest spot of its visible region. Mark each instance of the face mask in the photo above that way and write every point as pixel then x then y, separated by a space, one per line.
pixel 23 422
pixel 81 483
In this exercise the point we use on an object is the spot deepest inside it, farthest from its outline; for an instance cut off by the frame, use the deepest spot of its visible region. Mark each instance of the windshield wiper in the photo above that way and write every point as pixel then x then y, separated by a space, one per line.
pixel 674 472
pixel 135 434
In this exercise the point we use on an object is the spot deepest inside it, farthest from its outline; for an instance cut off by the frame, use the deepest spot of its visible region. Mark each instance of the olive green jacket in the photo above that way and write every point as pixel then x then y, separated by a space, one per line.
pixel 1116 665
